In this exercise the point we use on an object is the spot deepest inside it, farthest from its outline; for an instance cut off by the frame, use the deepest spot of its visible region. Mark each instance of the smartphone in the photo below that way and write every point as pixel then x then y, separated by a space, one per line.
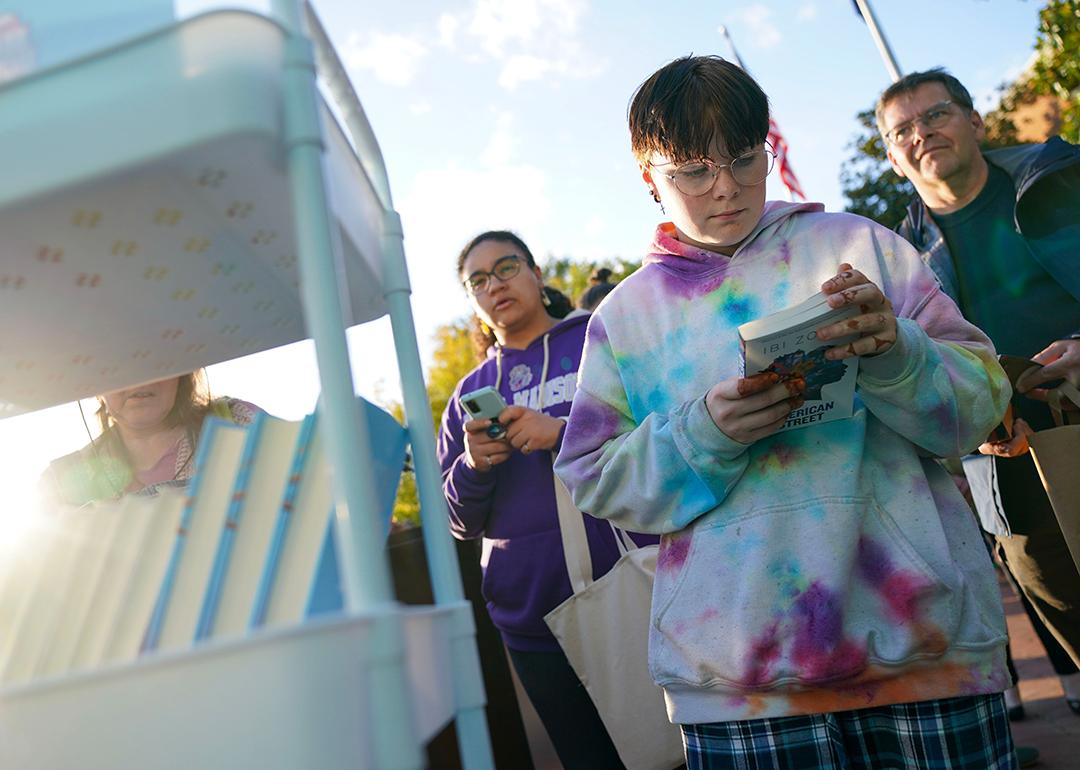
pixel 485 403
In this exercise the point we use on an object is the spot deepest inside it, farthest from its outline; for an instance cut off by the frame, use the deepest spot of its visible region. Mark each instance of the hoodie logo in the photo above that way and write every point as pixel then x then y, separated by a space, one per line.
pixel 520 377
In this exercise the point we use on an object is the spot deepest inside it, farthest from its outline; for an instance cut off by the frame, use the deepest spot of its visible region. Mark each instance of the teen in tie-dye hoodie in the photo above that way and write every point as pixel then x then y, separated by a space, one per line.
pixel 824 569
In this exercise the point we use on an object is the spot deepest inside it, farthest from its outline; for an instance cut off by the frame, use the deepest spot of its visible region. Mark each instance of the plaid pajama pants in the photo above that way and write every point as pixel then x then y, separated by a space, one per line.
pixel 969 733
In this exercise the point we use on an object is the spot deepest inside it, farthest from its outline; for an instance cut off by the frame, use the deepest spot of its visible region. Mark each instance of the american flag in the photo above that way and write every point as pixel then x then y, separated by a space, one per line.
pixel 774 137
pixel 787 175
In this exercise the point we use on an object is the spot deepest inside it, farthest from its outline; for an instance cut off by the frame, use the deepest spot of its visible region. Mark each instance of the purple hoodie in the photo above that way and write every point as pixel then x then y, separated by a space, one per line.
pixel 513 506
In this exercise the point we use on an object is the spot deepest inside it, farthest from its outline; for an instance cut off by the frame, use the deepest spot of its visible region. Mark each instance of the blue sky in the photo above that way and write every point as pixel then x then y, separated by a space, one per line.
pixel 511 114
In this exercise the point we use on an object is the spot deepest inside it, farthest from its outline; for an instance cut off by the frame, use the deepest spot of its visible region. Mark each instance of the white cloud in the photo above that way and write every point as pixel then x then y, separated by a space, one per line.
pixel 763 32
pixel 807 12
pixel 522 68
pixel 394 59
pixel 500 147
pixel 532 39
pixel 595 225
pixel 420 108
pixel 443 207
pixel 448 29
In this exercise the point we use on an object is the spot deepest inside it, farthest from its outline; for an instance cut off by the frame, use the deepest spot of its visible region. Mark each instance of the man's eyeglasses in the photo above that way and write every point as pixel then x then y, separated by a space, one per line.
pixel 504 269
pixel 935 117
pixel 697 177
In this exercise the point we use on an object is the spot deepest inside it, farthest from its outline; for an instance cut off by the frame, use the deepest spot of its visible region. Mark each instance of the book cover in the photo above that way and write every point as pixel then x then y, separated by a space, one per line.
pixel 38 617
pixel 304 516
pixel 282 519
pixel 136 586
pixel 249 527
pixel 786 343
pixel 217 462
pixel 108 592
pixel 94 531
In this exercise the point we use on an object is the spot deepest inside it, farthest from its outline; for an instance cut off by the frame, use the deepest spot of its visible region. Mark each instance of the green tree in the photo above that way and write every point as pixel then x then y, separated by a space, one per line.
pixel 571 277
pixel 452 359
pixel 867 180
pixel 1055 72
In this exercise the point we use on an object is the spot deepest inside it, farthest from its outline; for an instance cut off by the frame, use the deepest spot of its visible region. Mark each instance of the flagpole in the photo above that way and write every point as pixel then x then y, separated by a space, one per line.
pixel 781 151
pixel 879 39
pixel 731 44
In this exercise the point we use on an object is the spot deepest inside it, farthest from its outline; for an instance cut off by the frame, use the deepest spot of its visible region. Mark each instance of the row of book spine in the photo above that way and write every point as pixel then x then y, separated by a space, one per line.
pixel 239 549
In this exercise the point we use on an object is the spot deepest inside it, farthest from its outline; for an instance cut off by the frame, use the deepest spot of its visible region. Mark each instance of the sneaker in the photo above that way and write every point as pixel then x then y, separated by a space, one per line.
pixel 1026 756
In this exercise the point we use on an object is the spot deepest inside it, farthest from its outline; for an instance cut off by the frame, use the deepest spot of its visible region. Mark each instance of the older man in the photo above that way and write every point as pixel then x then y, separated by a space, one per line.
pixel 1001 230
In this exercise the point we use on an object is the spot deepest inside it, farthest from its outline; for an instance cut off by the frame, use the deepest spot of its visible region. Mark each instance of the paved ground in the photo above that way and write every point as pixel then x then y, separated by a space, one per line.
pixel 1050 726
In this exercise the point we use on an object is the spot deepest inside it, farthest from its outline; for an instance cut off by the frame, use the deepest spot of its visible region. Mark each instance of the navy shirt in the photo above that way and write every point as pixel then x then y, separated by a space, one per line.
pixel 1003 289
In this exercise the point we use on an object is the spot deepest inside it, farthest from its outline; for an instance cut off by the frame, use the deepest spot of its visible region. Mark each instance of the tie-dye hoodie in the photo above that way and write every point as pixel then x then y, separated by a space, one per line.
pixel 826 568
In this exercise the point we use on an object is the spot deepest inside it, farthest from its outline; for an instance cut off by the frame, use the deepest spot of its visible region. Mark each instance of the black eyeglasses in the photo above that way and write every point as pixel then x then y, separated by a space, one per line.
pixel 935 117
pixel 504 269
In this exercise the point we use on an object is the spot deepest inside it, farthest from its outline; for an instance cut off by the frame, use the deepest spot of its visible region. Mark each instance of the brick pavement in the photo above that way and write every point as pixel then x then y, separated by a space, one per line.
pixel 1050 726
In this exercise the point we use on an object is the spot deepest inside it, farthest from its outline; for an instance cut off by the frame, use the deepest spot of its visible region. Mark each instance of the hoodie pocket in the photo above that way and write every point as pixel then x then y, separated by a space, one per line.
pixel 524 578
pixel 799 595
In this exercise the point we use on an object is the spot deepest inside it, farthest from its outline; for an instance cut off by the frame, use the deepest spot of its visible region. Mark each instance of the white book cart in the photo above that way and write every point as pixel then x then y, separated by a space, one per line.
pixel 185 197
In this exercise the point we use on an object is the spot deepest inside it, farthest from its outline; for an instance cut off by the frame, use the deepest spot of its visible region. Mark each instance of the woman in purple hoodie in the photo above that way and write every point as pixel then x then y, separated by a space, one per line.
pixel 502 489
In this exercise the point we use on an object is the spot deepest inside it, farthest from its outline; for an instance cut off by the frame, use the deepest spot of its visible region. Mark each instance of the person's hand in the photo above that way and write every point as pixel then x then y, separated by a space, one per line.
pixel 1060 360
pixel 875 324
pixel 747 409
pixel 482 452
pixel 1014 447
pixel 528 430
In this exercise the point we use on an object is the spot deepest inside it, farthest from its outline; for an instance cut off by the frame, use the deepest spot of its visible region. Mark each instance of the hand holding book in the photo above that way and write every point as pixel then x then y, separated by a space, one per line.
pixel 747 409
pixel 876 324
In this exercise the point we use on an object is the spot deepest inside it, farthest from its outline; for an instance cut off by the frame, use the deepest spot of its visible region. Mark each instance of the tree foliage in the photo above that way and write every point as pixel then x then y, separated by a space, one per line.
pixel 1055 72
pixel 571 277
pixel 872 188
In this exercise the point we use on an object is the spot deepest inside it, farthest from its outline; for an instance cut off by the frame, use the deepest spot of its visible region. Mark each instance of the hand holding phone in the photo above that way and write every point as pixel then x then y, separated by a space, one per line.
pixel 486 403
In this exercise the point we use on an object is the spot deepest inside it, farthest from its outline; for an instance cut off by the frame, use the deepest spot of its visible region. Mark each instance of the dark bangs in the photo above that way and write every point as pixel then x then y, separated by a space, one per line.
pixel 685 107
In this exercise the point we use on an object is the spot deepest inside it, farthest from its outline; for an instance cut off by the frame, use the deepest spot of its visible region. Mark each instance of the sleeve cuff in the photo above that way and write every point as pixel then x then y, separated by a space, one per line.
pixel 699 440
pixel 897 362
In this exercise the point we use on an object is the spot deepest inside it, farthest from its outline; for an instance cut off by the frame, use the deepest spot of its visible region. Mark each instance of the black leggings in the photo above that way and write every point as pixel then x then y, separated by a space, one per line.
pixel 567 711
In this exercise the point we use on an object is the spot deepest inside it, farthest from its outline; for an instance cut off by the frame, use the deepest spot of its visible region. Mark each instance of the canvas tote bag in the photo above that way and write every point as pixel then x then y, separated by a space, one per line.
pixel 1057 456
pixel 604 630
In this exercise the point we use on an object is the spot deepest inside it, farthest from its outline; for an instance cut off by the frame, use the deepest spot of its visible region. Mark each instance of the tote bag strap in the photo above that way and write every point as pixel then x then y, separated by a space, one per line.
pixel 575 544
pixel 622 540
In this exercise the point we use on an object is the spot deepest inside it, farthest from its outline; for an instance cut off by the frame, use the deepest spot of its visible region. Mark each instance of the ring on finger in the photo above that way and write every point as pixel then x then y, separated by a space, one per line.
pixel 525 449
pixel 487 459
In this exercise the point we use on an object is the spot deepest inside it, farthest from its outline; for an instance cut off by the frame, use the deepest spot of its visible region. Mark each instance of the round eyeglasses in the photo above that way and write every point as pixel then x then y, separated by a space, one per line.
pixel 697 177
pixel 504 269
pixel 935 117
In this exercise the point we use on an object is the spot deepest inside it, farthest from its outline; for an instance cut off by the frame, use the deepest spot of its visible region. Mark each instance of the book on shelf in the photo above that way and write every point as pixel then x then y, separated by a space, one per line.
pixel 111 585
pixel 93 531
pixel 300 531
pixel 139 574
pixel 786 343
pixel 179 605
pixel 56 546
pixel 249 526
